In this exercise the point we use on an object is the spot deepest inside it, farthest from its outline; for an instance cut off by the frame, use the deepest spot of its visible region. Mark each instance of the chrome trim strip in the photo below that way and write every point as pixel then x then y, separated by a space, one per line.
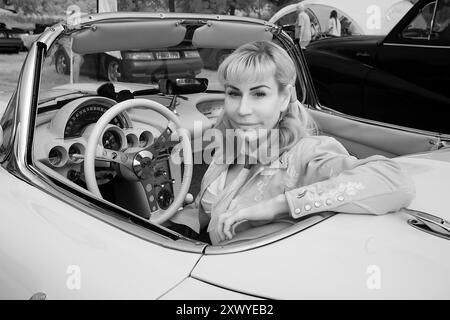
pixel 415 45
pixel 180 17
pixel 420 225
pixel 432 19
pixel 268 239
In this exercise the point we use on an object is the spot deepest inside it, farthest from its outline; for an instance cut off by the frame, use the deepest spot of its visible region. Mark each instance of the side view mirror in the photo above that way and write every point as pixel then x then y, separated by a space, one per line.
pixel 183 85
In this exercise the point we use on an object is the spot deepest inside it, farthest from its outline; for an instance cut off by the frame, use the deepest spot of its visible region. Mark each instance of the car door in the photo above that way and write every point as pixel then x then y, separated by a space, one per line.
pixel 409 84
pixel 3 41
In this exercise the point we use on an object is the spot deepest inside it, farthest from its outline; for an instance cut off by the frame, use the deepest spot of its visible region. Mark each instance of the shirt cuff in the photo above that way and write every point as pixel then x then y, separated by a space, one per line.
pixel 305 201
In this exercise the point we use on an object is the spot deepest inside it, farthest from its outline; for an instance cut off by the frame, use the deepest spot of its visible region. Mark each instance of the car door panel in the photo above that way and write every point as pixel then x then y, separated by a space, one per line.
pixel 363 139
pixel 338 80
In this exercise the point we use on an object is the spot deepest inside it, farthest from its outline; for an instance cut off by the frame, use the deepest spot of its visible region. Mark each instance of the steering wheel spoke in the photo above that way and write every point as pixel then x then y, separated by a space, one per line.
pixel 151 195
pixel 108 155
pixel 163 141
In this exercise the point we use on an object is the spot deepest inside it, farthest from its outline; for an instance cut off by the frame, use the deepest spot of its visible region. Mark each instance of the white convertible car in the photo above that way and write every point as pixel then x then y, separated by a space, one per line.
pixel 93 175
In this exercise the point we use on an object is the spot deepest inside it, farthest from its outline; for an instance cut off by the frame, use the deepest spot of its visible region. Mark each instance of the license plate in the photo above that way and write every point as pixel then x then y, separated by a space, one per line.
pixel 168 55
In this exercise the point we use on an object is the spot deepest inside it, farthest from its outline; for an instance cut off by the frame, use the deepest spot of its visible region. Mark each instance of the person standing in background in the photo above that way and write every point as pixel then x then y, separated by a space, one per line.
pixel 334 25
pixel 73 14
pixel 302 27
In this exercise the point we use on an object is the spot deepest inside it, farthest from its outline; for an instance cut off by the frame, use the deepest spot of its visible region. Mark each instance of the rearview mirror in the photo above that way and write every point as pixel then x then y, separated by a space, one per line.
pixel 183 85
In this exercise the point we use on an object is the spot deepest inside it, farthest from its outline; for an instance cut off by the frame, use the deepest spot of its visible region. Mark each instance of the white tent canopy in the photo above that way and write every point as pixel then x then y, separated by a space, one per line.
pixel 369 18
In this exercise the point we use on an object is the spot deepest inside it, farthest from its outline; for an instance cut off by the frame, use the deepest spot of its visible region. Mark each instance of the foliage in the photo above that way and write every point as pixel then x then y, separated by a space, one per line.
pixel 51 7
pixel 220 6
pixel 58 7
pixel 142 5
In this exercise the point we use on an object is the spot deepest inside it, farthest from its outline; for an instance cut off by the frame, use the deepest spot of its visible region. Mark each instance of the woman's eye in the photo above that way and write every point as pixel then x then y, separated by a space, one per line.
pixel 260 94
pixel 233 93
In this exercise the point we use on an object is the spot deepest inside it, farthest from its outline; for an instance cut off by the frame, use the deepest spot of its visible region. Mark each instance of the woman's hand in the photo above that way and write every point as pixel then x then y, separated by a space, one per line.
pixel 266 211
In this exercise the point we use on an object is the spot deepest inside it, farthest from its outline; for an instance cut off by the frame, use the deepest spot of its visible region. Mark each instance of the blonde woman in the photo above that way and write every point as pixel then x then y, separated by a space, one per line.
pixel 307 173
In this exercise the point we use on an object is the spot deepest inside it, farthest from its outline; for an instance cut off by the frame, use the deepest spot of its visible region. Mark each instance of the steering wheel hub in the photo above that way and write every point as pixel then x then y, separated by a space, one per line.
pixel 142 164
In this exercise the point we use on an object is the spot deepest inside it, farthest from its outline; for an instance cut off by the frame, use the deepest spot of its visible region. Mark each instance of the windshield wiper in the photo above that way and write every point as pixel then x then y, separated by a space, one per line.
pixel 429 223
pixel 145 92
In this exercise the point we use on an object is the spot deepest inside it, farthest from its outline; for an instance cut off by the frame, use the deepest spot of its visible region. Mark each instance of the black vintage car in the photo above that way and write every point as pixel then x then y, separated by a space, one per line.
pixel 402 78
pixel 10 39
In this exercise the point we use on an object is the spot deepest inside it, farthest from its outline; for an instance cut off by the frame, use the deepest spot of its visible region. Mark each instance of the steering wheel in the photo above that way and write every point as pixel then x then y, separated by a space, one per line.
pixel 140 163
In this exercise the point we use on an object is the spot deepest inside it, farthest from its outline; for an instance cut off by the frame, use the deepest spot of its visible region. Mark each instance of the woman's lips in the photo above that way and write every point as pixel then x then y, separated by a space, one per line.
pixel 246 125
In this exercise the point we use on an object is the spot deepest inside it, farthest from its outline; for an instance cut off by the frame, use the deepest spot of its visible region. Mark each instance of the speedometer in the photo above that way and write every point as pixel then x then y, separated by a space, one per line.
pixel 84 116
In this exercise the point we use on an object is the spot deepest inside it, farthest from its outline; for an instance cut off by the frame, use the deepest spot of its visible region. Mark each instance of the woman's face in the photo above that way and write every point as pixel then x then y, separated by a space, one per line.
pixel 255 105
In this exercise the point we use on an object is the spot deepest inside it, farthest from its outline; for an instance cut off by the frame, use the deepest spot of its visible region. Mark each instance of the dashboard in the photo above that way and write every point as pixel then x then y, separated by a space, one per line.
pixel 62 135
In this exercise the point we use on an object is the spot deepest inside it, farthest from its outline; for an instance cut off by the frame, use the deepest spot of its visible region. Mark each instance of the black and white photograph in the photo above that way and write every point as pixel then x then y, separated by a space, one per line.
pixel 224 155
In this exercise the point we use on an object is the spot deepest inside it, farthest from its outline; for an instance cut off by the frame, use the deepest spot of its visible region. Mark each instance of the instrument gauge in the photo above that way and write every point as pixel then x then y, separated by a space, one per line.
pixel 112 140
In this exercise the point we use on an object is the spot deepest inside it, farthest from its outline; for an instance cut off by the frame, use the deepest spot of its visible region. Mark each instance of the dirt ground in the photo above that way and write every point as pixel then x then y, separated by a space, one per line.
pixel 10 65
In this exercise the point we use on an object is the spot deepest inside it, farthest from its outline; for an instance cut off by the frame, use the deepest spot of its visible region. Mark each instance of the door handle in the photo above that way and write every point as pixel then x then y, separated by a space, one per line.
pixel 363 54
pixel 38 296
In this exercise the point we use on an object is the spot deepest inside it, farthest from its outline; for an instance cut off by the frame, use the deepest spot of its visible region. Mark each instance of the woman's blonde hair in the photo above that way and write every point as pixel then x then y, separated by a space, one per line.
pixel 256 61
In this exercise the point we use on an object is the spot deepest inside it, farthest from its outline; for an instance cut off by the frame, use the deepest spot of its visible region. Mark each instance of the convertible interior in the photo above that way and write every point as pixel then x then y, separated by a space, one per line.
pixel 138 143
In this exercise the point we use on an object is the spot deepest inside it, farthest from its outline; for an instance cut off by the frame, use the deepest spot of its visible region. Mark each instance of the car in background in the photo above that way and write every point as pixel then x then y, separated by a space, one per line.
pixel 8 12
pixel 213 57
pixel 11 39
pixel 94 178
pixel 144 66
pixel 362 17
pixel 401 78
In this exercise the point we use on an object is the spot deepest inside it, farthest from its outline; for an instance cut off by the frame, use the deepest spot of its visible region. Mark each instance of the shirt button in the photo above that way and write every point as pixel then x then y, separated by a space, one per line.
pixel 329 202
pixel 317 204
pixel 340 198
pixel 308 207
pixel 297 210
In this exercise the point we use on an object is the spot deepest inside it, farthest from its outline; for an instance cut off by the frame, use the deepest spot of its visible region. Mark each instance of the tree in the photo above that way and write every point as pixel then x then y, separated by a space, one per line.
pixel 281 3
pixel 217 6
pixel 172 5
pixel 51 7
pixel 141 5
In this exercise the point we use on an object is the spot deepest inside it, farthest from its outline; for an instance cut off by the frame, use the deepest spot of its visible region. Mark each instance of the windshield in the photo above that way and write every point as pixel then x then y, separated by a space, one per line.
pixel 67 73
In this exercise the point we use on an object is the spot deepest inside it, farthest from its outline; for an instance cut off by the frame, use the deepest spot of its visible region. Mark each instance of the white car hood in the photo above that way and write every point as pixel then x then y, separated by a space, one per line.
pixel 350 256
